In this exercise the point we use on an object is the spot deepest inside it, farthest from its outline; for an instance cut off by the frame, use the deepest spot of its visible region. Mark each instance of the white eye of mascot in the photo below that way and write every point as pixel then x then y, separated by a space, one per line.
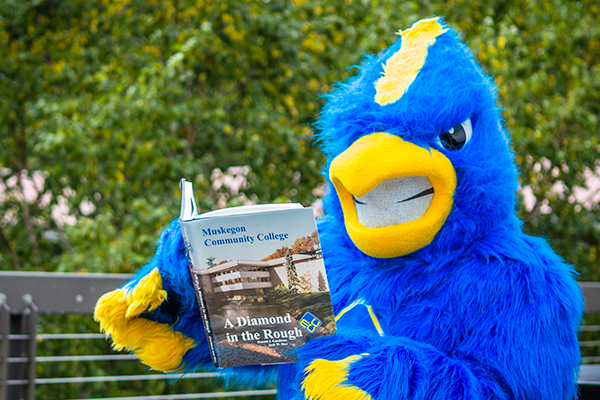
pixel 420 225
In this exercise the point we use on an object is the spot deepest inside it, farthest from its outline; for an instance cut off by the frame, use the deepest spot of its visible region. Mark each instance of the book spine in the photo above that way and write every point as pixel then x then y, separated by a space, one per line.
pixel 200 296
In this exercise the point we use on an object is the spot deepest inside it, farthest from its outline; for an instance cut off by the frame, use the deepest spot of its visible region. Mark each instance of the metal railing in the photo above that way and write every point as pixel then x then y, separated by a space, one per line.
pixel 24 296
pixel 589 374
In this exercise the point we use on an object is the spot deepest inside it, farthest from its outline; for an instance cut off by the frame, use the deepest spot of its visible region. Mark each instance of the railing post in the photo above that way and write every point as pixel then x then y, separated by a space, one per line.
pixel 21 375
pixel 4 331
pixel 30 325
pixel 54 293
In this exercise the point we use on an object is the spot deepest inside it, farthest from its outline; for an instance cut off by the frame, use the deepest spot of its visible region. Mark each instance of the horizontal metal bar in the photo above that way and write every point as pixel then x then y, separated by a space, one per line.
pixel 591 292
pixel 589 375
pixel 18 337
pixel 195 395
pixel 53 336
pixel 590 359
pixel 17 382
pixel 60 336
pixel 57 293
pixel 590 327
pixel 103 357
pixel 113 357
pixel 587 383
pixel 121 378
pixel 118 378
pixel 589 343
pixel 16 360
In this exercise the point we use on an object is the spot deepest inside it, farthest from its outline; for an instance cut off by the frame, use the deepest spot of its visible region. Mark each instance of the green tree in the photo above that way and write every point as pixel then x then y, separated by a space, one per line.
pixel 322 284
pixel 114 102
pixel 292 274
pixel 210 261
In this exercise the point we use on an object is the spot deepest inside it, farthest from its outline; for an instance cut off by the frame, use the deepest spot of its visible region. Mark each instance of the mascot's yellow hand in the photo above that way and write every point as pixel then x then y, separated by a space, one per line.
pixel 327 380
pixel 157 345
pixel 148 294
pixel 115 308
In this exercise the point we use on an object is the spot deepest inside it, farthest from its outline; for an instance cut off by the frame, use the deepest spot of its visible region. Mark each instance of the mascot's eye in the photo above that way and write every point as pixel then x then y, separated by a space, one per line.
pixel 457 136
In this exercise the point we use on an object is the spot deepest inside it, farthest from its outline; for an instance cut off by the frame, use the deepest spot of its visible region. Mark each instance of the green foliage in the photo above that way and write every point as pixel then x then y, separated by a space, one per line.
pixel 114 102
pixel 117 101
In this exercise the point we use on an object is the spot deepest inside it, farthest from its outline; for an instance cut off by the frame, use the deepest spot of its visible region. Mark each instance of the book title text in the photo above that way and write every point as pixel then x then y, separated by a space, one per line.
pixel 238 236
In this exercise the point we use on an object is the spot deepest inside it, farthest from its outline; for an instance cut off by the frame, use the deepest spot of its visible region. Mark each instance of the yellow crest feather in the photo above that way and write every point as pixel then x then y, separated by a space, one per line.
pixel 402 67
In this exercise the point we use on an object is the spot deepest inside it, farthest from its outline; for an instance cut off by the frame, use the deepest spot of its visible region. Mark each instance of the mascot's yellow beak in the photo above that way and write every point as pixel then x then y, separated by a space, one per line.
pixel 395 195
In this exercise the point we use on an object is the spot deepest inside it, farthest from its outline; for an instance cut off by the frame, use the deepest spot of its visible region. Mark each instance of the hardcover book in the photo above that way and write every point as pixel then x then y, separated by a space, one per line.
pixel 260 280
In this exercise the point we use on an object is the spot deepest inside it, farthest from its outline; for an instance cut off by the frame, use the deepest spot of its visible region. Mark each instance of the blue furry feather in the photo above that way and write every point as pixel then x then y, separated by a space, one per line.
pixel 482 312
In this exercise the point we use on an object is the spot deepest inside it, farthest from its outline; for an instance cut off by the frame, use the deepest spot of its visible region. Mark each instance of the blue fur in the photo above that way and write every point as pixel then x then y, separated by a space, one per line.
pixel 483 312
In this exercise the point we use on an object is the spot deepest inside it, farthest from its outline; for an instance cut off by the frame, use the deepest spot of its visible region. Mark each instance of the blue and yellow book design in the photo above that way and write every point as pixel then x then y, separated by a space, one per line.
pixel 309 322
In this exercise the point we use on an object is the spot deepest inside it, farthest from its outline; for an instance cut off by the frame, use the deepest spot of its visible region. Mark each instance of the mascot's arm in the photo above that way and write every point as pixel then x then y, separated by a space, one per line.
pixel 144 316
pixel 156 344
pixel 522 347
pixel 399 368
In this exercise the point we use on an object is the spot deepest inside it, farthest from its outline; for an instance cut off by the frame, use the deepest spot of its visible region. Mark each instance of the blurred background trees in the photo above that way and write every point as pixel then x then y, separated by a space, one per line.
pixel 105 105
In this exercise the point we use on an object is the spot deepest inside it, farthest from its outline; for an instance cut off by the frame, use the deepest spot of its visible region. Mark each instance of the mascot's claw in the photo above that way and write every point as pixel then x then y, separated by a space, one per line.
pixel 327 380
pixel 147 295
pixel 115 308
pixel 157 345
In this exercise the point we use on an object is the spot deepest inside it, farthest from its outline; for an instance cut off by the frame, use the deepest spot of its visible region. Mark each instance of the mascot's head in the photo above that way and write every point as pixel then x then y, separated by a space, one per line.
pixel 416 149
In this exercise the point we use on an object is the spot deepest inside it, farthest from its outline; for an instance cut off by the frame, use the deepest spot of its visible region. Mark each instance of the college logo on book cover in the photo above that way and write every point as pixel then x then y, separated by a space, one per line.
pixel 310 323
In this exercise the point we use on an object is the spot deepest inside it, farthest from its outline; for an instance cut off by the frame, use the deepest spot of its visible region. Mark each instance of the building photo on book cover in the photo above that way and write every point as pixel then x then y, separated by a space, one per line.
pixel 261 281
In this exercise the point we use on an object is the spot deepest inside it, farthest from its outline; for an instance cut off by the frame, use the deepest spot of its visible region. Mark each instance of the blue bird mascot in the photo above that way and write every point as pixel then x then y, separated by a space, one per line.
pixel 421 226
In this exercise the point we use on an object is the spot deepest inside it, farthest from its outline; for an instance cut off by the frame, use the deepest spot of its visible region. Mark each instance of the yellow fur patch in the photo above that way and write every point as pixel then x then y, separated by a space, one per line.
pixel 402 67
pixel 371 314
pixel 157 345
pixel 327 380
pixel 148 294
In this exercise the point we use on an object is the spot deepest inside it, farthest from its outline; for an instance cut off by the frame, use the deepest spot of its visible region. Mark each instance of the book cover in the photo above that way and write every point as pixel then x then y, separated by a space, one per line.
pixel 260 279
